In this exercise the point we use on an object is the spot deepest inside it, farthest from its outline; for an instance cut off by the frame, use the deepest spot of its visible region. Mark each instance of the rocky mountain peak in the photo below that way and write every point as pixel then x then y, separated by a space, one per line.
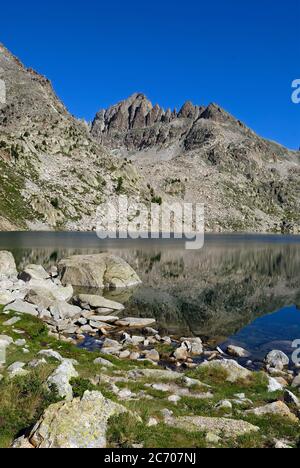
pixel 136 124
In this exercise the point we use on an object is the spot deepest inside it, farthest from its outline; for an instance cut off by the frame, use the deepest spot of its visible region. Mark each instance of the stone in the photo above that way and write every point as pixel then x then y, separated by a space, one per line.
pixel 153 355
pixel 22 308
pixel 152 422
pixel 167 340
pixel 292 399
pixel 133 322
pixel 277 408
pixel 22 443
pixel 154 374
pixel 36 363
pixel 101 325
pixel 125 394
pixel 6 297
pixel 7 264
pixel 181 353
pixel 277 359
pixel 124 354
pixel 174 399
pixel 103 362
pixel 77 424
pixel 233 370
pixel 212 438
pixel 16 369
pixel 150 331
pixel 62 310
pixel 218 426
pixel 224 405
pixel 197 348
pixel 33 272
pixel 11 321
pixel 237 351
pixel 108 343
pixel 61 380
pixel 134 356
pixel 110 319
pixel 45 293
pixel 274 385
pixel 97 271
pixel 97 302
pixel 6 340
pixel 20 343
pixel 296 382
pixel 281 444
pixel 51 354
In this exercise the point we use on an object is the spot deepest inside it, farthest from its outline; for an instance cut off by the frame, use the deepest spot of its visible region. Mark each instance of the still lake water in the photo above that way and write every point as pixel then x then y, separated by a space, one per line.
pixel 238 289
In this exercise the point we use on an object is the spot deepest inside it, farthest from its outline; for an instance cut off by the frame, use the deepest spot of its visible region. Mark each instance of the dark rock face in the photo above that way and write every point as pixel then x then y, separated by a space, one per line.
pixel 136 123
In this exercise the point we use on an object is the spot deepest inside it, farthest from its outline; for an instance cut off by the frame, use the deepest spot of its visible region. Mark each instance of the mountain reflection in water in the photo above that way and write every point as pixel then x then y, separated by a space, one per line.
pixel 238 289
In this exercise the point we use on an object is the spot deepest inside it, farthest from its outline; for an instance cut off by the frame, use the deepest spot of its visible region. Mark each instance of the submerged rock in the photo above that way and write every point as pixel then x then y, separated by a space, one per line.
pixel 97 271
pixel 81 423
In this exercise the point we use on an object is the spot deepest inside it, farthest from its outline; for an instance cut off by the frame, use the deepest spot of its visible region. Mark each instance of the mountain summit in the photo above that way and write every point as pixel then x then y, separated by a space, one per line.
pixel 204 154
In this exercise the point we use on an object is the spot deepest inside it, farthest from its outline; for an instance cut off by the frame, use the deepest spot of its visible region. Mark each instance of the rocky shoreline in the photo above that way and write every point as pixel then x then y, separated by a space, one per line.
pixel 207 393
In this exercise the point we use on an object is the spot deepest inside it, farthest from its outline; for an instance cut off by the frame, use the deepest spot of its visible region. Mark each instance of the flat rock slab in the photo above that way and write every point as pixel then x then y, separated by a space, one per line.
pixel 21 307
pixel 33 272
pixel 99 302
pixel 97 271
pixel 77 424
pixel 132 322
pixel 217 426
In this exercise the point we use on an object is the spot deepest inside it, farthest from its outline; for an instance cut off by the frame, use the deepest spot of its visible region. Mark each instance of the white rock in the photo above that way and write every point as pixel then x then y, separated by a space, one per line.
pixel 274 385
pixel 61 380
pixel 22 308
pixel 277 359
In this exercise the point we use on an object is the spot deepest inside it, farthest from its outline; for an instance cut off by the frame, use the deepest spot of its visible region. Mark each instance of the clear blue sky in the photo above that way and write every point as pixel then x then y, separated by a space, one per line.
pixel 241 54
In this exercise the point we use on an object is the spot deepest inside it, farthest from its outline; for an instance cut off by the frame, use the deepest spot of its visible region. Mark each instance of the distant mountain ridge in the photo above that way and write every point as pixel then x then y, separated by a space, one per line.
pixel 204 154
pixel 56 170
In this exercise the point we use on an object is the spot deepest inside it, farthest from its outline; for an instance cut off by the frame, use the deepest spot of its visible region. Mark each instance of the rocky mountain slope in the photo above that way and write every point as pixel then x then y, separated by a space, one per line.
pixel 56 170
pixel 204 154
pixel 53 174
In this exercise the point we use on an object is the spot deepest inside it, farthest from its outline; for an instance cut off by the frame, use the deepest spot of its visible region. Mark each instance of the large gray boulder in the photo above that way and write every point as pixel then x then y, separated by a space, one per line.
pixel 7 264
pixel 33 272
pixel 234 371
pixel 77 424
pixel 97 271
pixel 44 293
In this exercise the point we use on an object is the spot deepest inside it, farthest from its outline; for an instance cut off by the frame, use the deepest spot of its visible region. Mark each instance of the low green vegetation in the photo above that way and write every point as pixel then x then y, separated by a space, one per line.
pixel 24 398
